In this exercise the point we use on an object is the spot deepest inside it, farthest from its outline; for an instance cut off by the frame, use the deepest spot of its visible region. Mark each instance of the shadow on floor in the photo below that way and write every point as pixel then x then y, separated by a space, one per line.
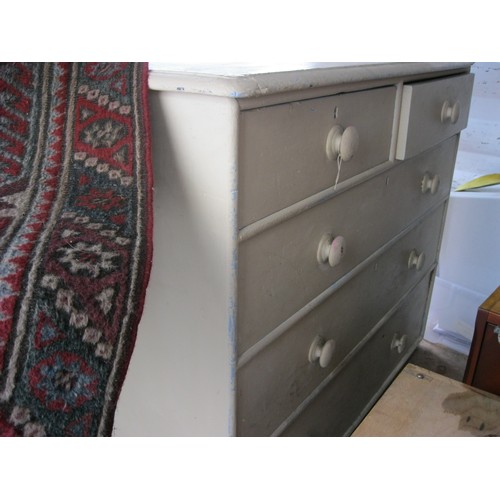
pixel 440 359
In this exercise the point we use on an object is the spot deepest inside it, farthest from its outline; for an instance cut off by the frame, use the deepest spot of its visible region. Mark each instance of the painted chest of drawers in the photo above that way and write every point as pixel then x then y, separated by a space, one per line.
pixel 298 218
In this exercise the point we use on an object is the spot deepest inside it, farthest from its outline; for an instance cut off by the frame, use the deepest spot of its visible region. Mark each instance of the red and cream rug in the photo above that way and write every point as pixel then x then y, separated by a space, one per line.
pixel 75 241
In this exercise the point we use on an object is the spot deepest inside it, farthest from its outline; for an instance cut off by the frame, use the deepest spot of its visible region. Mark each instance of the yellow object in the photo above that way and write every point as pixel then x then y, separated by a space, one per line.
pixel 483 181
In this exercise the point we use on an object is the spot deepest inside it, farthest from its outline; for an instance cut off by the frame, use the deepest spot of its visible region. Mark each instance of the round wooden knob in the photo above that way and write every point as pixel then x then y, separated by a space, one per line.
pixel 321 351
pixel 450 112
pixel 399 343
pixel 430 183
pixel 342 143
pixel 331 250
pixel 416 260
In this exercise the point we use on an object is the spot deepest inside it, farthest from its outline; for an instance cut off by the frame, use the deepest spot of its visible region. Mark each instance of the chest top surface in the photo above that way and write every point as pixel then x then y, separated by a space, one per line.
pixel 241 80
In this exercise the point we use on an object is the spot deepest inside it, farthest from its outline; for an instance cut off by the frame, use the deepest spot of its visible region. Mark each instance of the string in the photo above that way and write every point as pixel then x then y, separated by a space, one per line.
pixel 339 164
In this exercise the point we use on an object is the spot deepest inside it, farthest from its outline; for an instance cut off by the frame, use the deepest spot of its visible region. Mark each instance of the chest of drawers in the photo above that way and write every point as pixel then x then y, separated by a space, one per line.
pixel 298 218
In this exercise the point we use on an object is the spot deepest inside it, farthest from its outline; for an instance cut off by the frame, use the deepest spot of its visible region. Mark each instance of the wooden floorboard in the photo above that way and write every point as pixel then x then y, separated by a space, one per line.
pixel 424 403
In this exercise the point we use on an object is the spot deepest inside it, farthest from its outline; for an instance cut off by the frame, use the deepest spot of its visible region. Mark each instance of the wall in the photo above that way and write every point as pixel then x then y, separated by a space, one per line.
pixel 469 267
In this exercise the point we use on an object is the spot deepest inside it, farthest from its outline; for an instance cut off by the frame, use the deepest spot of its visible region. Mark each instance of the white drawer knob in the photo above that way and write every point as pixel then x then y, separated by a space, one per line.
pixel 450 112
pixel 342 142
pixel 321 351
pixel 430 183
pixel 416 260
pixel 331 250
pixel 398 343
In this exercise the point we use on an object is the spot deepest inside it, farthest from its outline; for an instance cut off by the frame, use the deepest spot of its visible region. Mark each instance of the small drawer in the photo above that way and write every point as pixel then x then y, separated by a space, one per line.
pixel 273 383
pixel 344 402
pixel 431 112
pixel 283 149
pixel 279 271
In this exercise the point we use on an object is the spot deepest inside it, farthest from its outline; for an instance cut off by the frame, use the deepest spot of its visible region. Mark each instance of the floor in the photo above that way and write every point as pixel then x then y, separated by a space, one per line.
pixel 440 359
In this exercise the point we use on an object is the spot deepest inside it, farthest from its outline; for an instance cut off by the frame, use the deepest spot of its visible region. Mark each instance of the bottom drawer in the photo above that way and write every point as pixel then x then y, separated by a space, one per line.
pixel 349 396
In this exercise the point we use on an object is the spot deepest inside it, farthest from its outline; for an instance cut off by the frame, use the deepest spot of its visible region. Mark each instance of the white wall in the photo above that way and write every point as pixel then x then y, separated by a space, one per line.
pixel 479 149
pixel 469 267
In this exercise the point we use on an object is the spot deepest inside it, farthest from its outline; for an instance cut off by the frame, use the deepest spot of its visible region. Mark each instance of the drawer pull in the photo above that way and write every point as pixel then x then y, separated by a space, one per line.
pixel 430 183
pixel 398 343
pixel 331 250
pixel 342 143
pixel 416 260
pixel 496 331
pixel 450 112
pixel 321 351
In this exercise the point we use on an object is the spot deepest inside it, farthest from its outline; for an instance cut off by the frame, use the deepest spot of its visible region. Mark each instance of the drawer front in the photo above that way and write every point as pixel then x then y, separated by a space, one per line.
pixel 431 112
pixel 278 269
pixel 283 155
pixel 349 396
pixel 277 380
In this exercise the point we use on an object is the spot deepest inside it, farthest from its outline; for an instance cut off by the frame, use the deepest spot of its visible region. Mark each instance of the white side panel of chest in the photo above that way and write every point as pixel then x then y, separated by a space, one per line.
pixel 184 344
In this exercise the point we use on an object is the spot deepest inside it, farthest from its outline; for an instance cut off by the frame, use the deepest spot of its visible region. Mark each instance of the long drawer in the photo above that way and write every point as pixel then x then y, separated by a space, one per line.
pixel 350 395
pixel 273 383
pixel 279 271
pixel 431 112
pixel 283 155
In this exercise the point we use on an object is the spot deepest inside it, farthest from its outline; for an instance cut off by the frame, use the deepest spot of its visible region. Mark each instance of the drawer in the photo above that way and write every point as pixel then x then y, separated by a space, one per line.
pixel 273 383
pixel 278 269
pixel 283 156
pixel 431 112
pixel 350 394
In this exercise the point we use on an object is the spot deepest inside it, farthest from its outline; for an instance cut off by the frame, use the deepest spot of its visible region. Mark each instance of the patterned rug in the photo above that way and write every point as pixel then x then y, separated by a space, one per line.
pixel 75 241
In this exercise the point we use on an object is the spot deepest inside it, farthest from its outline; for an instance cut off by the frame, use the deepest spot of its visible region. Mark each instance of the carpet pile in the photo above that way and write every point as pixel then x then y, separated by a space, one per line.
pixel 75 241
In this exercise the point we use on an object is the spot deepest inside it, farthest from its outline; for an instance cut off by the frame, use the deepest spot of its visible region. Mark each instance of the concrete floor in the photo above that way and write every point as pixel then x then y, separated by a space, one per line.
pixel 440 359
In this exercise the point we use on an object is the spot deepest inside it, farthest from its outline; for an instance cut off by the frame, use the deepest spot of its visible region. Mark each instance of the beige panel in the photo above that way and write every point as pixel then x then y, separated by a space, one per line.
pixel 279 271
pixel 283 156
pixel 422 403
pixel 348 397
pixel 277 380
pixel 421 124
